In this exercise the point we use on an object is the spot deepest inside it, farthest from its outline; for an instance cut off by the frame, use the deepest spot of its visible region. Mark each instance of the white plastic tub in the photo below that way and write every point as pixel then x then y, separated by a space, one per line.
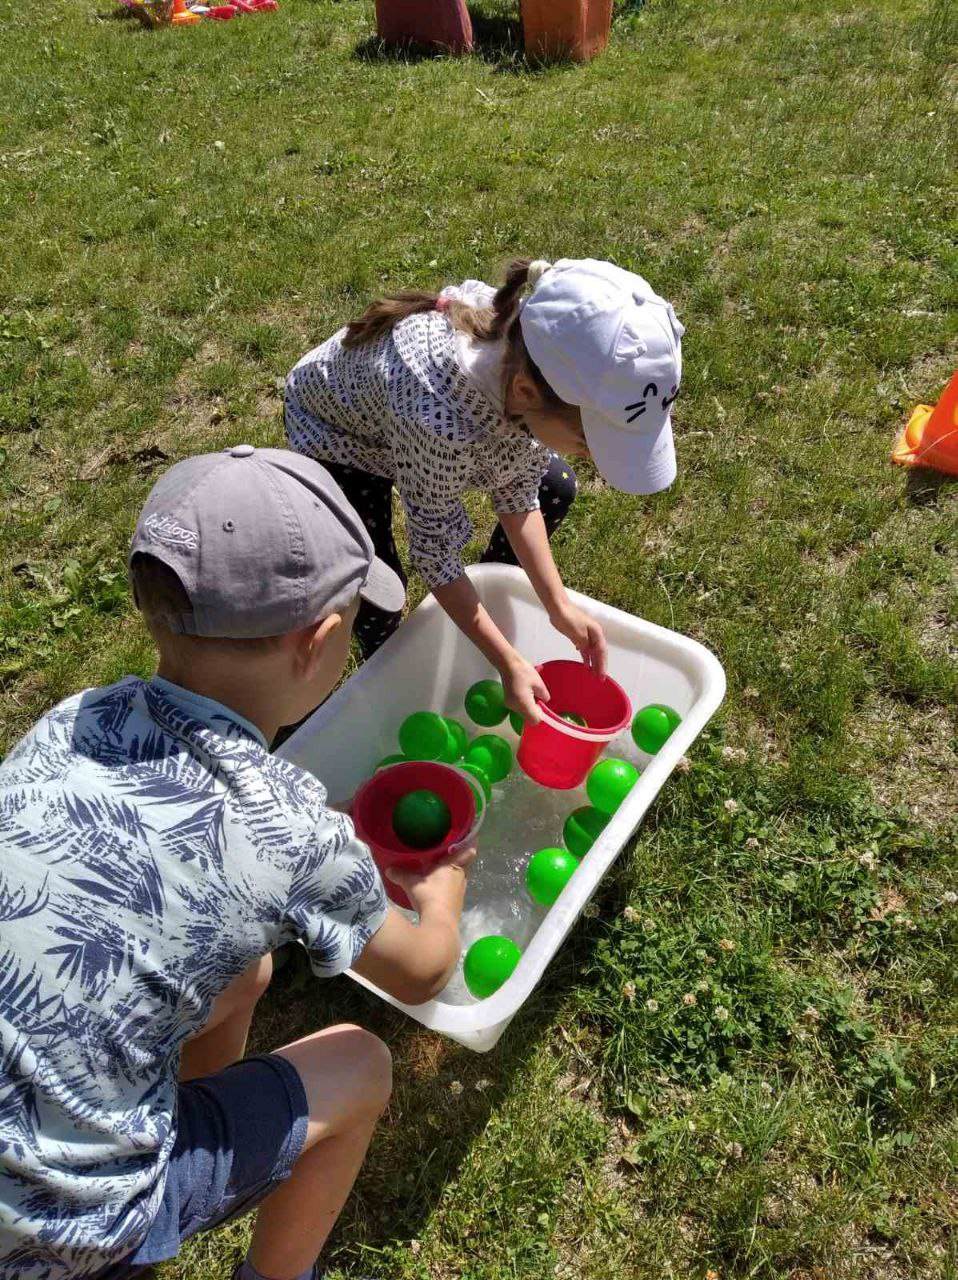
pixel 429 664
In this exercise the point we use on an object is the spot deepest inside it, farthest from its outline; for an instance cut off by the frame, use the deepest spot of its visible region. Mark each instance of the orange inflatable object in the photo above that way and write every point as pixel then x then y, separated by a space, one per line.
pixel 182 17
pixel 576 29
pixel 931 437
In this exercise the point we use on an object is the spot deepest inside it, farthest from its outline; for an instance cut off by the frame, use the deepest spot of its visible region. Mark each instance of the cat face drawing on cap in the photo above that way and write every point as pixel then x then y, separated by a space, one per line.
pixel 606 342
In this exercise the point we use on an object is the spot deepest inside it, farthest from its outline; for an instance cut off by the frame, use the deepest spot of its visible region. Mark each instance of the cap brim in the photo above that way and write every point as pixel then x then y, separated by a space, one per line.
pixel 633 462
pixel 383 588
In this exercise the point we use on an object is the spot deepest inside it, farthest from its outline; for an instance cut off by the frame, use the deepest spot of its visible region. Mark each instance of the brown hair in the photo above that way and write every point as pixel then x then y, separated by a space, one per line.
pixel 488 324
pixel 161 597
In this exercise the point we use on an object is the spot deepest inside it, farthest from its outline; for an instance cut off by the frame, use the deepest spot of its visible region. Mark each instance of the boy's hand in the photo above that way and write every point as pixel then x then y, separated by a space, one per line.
pixel 442 887
pixel 413 962
pixel 585 633
pixel 522 684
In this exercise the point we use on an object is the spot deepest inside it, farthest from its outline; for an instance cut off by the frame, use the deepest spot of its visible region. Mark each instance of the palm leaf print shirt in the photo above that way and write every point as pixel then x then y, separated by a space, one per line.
pixel 410 406
pixel 151 849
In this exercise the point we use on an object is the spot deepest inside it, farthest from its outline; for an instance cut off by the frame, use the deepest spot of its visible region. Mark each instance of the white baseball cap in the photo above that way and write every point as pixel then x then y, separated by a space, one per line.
pixel 605 341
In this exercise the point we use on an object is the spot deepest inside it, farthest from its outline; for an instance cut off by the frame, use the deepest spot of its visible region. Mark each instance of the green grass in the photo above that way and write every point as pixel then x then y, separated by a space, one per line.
pixel 784 172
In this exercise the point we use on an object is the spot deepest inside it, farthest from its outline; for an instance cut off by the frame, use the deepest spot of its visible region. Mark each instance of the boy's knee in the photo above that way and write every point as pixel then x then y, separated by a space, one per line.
pixel 373 1064
pixel 253 983
pixel 346 1073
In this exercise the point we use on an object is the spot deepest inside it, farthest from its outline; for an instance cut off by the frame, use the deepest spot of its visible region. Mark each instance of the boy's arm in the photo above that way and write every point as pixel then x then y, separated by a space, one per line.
pixel 413 962
pixel 526 531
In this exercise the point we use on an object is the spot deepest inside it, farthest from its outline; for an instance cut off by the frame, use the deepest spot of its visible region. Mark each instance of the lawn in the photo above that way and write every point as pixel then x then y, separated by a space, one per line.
pixel 745 1060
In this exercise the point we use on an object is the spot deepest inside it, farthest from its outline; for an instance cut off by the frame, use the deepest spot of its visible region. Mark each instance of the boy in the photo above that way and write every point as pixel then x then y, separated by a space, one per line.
pixel 152 855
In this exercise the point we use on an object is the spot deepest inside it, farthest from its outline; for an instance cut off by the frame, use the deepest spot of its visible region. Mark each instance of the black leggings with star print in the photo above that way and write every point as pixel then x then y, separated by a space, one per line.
pixel 372 497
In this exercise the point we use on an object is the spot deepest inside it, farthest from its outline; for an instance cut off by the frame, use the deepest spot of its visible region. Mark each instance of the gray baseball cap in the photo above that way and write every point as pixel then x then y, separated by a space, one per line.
pixel 264 542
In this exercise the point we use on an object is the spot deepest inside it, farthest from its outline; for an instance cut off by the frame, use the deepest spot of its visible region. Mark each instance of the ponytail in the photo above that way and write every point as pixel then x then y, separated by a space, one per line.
pixel 505 305
pixel 488 324
pixel 505 312
pixel 382 316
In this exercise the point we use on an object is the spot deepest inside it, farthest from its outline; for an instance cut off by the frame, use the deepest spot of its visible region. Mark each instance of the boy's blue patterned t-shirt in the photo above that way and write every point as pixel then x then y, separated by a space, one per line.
pixel 151 849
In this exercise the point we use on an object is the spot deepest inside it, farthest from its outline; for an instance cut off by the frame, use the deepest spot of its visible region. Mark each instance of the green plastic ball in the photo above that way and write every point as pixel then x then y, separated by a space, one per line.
pixel 652 727
pixel 609 782
pixel 517 722
pixel 459 737
pixel 492 754
pixel 547 874
pixel 574 719
pixel 388 760
pixel 486 703
pixel 421 819
pixel 425 736
pixel 485 786
pixel 488 963
pixel 582 828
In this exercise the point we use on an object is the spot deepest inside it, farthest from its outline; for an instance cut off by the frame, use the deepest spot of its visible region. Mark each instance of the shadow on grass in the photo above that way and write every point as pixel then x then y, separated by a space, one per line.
pixel 924 485
pixel 120 13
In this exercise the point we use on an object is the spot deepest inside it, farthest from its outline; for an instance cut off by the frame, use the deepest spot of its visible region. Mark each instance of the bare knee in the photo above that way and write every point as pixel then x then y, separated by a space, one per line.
pixel 374 1063
pixel 249 986
pixel 371 1065
pixel 346 1074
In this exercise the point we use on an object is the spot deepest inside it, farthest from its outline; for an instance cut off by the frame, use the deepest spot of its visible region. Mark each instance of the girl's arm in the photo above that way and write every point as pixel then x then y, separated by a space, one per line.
pixel 521 681
pixel 527 536
pixel 436 533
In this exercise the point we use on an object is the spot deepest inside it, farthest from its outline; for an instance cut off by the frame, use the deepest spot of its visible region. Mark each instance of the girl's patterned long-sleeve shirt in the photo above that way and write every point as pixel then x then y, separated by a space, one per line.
pixel 408 406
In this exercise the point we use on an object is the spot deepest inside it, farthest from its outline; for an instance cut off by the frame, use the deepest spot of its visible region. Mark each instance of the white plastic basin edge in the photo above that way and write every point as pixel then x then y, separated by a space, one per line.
pixel 468 1023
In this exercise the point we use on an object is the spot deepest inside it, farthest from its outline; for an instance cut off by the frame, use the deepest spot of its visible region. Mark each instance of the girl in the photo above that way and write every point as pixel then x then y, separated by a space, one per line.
pixel 477 388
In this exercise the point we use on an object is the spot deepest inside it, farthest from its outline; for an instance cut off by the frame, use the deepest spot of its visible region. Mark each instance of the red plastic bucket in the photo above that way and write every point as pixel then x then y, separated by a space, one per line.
pixel 375 800
pixel 577 29
pixel 445 23
pixel 558 754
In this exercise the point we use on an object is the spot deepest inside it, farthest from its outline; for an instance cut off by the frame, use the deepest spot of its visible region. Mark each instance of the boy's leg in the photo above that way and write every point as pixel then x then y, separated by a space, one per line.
pixel 347 1078
pixel 223 1038
pixel 556 494
pixel 372 496
pixel 285 1131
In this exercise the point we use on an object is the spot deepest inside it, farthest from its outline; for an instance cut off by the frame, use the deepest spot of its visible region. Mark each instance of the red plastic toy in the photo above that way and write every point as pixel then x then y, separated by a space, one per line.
pixel 557 753
pixel 445 23
pixel 372 811
pixel 576 29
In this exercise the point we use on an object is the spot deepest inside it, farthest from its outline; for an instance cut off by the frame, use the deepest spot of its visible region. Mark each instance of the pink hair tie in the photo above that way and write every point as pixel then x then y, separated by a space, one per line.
pixel 442 304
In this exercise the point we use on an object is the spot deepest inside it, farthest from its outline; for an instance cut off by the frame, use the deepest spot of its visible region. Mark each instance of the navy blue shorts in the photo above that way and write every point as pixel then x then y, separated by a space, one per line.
pixel 238 1135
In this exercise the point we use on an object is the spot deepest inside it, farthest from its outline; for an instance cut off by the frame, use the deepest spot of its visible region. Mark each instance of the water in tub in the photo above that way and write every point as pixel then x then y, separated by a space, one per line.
pixel 523 818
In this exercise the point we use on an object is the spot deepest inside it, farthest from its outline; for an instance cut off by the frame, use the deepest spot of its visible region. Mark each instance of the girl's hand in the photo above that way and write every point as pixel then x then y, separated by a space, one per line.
pixel 585 633
pixel 522 685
